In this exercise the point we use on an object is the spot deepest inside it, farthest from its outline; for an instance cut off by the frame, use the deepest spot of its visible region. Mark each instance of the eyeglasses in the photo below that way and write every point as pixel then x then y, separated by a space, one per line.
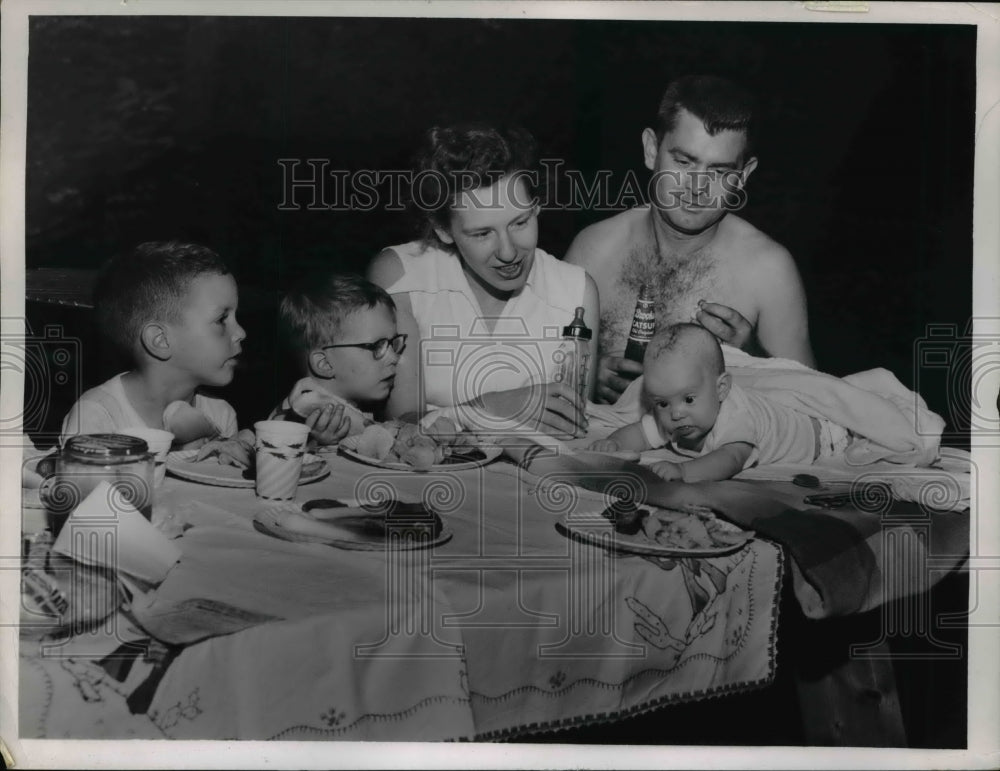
pixel 379 348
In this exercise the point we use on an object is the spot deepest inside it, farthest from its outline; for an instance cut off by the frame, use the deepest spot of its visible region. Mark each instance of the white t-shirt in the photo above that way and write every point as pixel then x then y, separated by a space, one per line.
pixel 106 409
pixel 460 358
pixel 777 433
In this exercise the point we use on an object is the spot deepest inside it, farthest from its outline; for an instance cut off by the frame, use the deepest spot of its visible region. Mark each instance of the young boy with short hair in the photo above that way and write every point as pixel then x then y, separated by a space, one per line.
pixel 342 331
pixel 696 410
pixel 171 309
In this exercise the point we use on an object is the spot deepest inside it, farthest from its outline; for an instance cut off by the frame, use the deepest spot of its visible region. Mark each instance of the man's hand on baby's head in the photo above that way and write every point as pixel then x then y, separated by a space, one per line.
pixel 671 472
pixel 727 324
pixel 328 424
pixel 614 374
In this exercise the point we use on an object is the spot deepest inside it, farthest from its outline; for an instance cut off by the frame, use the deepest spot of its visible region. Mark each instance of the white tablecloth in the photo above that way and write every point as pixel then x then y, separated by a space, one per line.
pixel 509 626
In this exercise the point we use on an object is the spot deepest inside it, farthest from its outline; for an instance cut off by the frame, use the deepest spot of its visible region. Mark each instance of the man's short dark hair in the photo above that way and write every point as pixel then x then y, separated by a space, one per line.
pixel 720 104
pixel 148 283
pixel 312 312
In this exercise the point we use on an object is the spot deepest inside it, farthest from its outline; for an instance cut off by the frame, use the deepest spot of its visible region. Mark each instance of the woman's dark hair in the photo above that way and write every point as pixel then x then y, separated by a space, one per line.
pixel 456 159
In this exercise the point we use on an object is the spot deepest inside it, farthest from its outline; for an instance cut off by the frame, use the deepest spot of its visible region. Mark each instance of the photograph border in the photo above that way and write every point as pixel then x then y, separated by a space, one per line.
pixel 984 565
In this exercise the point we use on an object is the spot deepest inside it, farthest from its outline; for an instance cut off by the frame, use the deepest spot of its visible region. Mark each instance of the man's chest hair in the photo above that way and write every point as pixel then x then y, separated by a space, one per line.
pixel 674 284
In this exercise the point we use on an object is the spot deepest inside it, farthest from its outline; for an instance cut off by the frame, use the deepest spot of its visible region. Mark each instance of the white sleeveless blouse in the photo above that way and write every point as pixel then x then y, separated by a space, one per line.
pixel 459 357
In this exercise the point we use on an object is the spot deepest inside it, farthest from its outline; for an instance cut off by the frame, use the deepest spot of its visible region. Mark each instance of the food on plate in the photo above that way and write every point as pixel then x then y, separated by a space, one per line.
pixel 377 520
pixel 687 533
pixel 417 446
pixel 447 433
pixel 422 457
pixel 241 451
pixel 628 517
pixel 376 442
pixel 235 451
pixel 693 528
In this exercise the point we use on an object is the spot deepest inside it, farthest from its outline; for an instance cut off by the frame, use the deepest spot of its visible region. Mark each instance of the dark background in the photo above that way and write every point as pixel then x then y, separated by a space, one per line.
pixel 171 127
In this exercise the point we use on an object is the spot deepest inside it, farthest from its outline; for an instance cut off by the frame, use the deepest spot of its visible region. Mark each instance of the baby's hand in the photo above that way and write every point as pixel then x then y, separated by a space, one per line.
pixel 671 472
pixel 328 424
pixel 604 445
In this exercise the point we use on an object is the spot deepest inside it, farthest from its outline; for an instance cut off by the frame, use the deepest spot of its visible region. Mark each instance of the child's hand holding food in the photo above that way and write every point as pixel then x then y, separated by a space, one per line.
pixel 328 424
pixel 307 398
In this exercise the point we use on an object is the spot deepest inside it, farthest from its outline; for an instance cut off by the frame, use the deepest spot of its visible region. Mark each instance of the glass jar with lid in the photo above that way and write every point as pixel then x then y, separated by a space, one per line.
pixel 124 462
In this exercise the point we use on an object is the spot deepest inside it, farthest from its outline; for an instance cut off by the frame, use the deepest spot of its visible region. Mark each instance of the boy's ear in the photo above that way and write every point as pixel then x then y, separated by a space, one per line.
pixel 155 341
pixel 723 384
pixel 319 365
pixel 650 148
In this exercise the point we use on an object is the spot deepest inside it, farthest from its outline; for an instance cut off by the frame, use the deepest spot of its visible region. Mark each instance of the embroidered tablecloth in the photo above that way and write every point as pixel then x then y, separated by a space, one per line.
pixel 507 627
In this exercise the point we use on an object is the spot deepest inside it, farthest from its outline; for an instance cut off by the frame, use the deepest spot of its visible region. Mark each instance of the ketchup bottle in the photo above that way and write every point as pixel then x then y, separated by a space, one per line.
pixel 643 327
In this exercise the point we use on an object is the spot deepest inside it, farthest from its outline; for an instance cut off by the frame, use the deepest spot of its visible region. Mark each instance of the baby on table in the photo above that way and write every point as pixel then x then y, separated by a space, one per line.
pixel 171 309
pixel 697 411
pixel 342 331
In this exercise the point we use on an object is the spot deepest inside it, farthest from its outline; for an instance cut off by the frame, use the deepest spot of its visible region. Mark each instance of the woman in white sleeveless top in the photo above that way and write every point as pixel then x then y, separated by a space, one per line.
pixel 483 307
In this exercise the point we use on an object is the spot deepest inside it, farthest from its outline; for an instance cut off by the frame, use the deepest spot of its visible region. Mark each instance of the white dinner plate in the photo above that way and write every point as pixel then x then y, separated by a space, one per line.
pixel 269 521
pixel 488 455
pixel 601 532
pixel 181 463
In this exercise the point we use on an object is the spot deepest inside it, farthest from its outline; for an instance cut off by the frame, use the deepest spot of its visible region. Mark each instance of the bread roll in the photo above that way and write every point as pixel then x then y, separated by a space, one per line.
pixel 308 395
pixel 376 441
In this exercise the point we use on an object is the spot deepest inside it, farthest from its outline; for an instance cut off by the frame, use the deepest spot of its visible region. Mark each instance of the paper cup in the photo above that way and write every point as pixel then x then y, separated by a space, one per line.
pixel 159 443
pixel 281 444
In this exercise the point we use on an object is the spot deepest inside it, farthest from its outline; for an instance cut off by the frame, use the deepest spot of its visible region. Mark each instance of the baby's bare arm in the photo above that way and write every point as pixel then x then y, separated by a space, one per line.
pixel 630 437
pixel 723 463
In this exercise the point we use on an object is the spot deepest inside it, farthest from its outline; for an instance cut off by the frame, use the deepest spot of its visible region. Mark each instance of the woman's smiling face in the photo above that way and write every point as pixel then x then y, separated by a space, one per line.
pixel 495 230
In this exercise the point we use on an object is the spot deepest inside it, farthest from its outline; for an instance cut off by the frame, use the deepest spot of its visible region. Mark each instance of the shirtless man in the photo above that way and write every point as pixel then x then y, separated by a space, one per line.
pixel 700 261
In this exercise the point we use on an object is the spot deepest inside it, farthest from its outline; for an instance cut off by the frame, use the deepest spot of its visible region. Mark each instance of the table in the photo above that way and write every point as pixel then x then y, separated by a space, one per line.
pixel 508 627
pixel 502 595
pixel 71 287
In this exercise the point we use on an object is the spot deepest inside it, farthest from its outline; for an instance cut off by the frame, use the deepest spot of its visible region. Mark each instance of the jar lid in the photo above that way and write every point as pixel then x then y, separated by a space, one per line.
pixel 106 446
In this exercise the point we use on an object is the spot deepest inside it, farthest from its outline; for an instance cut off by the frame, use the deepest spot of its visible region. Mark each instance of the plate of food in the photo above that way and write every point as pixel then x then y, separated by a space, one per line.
pixel 182 463
pixel 692 531
pixel 391 525
pixel 408 447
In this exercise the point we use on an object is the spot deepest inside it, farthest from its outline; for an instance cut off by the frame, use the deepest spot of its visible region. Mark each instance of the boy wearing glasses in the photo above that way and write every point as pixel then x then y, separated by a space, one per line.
pixel 342 332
